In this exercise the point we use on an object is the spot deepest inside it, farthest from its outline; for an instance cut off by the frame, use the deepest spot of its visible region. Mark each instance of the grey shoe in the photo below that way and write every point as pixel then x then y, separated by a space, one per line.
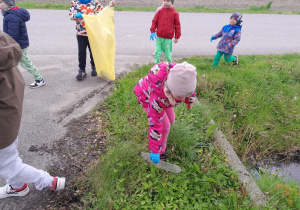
pixel 81 75
pixel 236 62
pixel 94 72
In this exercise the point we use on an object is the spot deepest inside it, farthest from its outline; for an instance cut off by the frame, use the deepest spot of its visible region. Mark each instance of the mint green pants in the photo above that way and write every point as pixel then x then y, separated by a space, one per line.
pixel 163 45
pixel 227 57
pixel 26 63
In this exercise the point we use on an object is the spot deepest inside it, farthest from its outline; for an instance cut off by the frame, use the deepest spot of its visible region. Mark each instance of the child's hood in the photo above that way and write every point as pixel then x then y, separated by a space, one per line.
pixel 10 52
pixel 22 13
pixel 169 9
pixel 228 28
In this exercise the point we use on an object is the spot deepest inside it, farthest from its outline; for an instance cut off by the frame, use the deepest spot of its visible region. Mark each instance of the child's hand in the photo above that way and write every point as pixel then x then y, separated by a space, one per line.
pixel 189 106
pixel 211 38
pixel 175 41
pixel 152 36
pixel 78 15
pixel 155 157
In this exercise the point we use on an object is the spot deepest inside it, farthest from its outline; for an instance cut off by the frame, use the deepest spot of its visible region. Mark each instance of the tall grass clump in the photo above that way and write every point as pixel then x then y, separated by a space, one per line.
pixel 283 194
pixel 123 180
pixel 255 104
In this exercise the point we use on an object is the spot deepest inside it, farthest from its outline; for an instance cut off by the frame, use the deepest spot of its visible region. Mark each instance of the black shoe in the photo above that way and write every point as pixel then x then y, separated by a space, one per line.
pixel 163 157
pixel 81 75
pixel 236 62
pixel 94 72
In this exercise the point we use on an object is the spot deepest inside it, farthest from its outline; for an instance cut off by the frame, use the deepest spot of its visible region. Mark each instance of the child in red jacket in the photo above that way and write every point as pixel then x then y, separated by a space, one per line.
pixel 165 23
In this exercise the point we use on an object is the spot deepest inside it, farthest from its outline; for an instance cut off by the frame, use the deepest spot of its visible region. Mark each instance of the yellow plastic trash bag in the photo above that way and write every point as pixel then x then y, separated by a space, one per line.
pixel 101 34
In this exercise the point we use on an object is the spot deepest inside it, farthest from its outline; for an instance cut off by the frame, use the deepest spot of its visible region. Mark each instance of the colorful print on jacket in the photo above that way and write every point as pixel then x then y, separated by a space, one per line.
pixel 150 94
pixel 231 35
pixel 165 23
pixel 92 8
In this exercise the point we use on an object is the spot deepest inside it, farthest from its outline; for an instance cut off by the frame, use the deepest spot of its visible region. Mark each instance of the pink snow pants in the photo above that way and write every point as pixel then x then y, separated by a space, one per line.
pixel 169 118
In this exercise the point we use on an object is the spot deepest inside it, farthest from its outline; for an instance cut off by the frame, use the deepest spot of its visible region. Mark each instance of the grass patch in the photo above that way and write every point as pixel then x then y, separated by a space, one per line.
pixel 123 180
pixel 282 194
pixel 198 9
pixel 34 5
pixel 262 8
pixel 255 104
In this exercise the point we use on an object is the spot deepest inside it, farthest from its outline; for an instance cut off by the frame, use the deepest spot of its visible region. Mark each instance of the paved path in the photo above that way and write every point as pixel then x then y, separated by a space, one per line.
pixel 53 49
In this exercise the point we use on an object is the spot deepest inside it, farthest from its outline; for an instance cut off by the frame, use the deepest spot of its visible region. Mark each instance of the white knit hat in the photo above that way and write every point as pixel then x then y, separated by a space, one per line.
pixel 182 79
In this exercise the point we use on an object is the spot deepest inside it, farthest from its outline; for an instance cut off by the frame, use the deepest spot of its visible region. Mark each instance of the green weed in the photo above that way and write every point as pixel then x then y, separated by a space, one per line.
pixel 252 103
pixel 282 194
pixel 123 180
pixel 255 104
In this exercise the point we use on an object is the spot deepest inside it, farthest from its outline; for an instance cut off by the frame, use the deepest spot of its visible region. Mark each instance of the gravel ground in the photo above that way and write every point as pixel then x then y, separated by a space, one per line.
pixel 290 5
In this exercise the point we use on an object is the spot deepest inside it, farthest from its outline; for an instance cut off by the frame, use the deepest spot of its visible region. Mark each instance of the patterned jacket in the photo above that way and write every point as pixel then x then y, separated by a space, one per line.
pixel 165 23
pixel 92 8
pixel 150 94
pixel 231 35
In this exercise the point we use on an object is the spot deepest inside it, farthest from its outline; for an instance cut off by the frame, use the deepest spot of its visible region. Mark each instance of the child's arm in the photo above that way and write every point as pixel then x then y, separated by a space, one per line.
pixel 236 38
pixel 218 35
pixel 98 7
pixel 155 22
pixel 13 29
pixel 177 27
pixel 155 120
pixel 73 11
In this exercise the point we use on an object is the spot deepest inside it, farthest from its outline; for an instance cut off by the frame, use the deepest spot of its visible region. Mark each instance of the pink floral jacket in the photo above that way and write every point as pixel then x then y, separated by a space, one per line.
pixel 150 94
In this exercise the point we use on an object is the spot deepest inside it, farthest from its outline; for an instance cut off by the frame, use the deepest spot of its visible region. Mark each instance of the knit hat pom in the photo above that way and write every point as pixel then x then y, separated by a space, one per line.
pixel 182 80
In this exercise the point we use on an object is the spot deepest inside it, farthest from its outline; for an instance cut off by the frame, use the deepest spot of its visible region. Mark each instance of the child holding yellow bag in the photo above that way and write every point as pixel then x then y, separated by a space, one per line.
pixel 77 9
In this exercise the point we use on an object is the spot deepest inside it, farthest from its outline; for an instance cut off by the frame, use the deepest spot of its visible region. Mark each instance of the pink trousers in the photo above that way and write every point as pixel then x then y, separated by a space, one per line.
pixel 169 118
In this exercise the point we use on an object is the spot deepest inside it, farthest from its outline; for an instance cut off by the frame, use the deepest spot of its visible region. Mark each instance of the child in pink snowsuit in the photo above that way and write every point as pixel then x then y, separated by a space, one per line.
pixel 165 86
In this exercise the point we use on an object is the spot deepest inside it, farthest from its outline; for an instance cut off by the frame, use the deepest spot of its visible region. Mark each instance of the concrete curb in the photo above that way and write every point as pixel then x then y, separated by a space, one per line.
pixel 256 195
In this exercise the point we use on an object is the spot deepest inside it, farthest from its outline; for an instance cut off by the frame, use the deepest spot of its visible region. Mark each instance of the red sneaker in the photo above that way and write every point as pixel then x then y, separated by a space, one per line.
pixel 58 183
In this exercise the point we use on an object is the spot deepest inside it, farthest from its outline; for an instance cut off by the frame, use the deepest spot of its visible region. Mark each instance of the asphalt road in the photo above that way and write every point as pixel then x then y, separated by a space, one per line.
pixel 53 49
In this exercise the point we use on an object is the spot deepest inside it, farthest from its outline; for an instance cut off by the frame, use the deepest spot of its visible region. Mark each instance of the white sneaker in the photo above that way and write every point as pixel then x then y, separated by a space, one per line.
pixel 37 83
pixel 58 183
pixel 8 191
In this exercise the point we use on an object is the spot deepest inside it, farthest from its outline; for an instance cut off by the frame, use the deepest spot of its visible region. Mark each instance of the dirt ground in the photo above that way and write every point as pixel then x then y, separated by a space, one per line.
pixel 291 5
pixel 79 149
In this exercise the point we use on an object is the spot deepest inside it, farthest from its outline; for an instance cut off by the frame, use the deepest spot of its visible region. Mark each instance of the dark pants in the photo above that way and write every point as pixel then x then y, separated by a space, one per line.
pixel 83 42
